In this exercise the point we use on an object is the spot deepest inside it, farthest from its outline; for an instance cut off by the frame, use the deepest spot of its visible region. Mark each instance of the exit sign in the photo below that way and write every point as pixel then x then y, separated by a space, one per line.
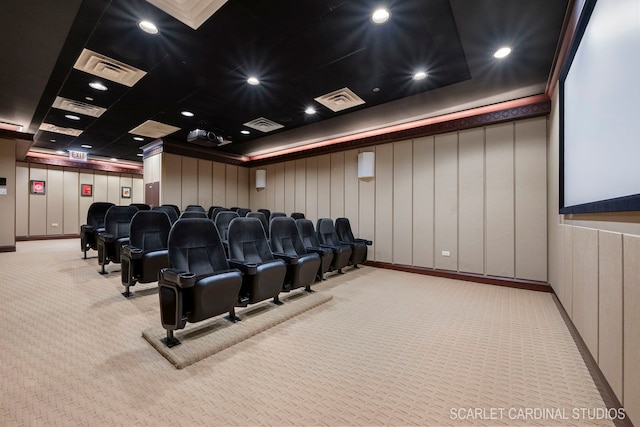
pixel 78 155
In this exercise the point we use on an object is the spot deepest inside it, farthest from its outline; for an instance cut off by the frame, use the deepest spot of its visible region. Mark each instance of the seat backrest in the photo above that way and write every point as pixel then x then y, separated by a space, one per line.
pixel 276 215
pixel 150 230
pixel 285 237
pixel 327 232
pixel 307 233
pixel 262 219
pixel 97 212
pixel 117 221
pixel 211 211
pixel 173 217
pixel 141 206
pixel 243 211
pixel 343 230
pixel 297 215
pixel 195 208
pixel 193 214
pixel 222 223
pixel 266 213
pixel 247 241
pixel 175 208
pixel 195 246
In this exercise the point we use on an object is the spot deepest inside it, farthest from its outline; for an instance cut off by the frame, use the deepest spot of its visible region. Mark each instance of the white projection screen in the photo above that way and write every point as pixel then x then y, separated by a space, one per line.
pixel 600 111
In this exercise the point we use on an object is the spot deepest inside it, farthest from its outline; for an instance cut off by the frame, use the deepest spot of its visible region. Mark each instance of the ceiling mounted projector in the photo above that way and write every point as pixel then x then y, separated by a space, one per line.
pixel 205 138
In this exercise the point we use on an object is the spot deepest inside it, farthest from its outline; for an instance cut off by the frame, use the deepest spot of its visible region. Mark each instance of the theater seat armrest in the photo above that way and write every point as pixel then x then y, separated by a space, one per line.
pixel 342 242
pixel 244 267
pixel 132 252
pixel 106 237
pixel 365 241
pixel 86 228
pixel 289 259
pixel 183 279
pixel 317 250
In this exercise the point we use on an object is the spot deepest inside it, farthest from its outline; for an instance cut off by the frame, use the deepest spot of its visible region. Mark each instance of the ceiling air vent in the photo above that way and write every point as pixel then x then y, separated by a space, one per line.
pixel 192 13
pixel 107 68
pixel 78 107
pixel 340 100
pixel 263 125
pixel 48 127
pixel 153 129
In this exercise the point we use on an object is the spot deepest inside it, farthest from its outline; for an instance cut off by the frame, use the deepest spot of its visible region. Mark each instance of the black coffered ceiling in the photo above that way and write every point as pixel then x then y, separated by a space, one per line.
pixel 299 49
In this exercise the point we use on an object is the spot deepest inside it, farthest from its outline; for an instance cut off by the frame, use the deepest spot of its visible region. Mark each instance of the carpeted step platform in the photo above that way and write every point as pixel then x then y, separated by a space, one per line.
pixel 201 340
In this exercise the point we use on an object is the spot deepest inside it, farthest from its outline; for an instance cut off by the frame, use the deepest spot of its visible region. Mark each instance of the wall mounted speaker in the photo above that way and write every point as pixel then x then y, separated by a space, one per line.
pixel 366 164
pixel 261 178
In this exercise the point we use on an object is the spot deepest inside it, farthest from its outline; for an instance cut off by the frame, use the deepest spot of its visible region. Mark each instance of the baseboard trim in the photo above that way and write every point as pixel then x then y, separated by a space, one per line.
pixel 606 392
pixel 469 277
pixel 8 248
pixel 47 237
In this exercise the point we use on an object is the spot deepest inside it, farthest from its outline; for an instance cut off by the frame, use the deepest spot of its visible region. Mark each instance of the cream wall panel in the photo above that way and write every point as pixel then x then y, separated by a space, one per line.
pixel 383 203
pixel 205 183
pixel 137 188
pixel 85 202
pixel 402 203
pixel 289 186
pixel 353 204
pixel 171 184
pixel 126 181
pixel 38 203
pixel 300 201
pixel 585 286
pixel 243 186
pixel 219 184
pixel 113 189
pixel 324 187
pixel 152 167
pixel 189 181
pixel 22 201
pixel 100 187
pixel 531 199
pixel 610 305
pixel 500 236
pixel 337 185
pixel 471 201
pixel 71 202
pixel 8 201
pixel 423 201
pixel 232 186
pixel 271 188
pixel 311 194
pixel 279 186
pixel 446 201
pixel 567 270
pixel 55 200
pixel 631 292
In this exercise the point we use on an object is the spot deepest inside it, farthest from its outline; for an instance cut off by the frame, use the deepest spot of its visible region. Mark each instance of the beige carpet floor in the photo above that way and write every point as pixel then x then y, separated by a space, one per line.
pixel 390 348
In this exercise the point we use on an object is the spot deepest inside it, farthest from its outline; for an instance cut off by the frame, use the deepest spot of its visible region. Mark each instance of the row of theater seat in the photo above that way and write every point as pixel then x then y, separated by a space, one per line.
pixel 199 277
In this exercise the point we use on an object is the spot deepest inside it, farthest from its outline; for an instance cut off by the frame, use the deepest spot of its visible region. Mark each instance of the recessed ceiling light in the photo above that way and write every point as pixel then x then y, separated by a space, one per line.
pixel 138 138
pixel 52 140
pixel 72 117
pixel 380 16
pixel 420 75
pixel 376 89
pixel 245 132
pixel 187 113
pixel 139 154
pixel 97 86
pixel 310 110
pixel 113 159
pixel 60 152
pixel 148 27
pixel 86 146
pixel 502 52
pixel 88 98
pixel 253 81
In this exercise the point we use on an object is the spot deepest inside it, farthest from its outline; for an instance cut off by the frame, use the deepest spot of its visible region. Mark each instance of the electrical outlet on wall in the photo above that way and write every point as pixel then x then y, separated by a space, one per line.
pixel 446 253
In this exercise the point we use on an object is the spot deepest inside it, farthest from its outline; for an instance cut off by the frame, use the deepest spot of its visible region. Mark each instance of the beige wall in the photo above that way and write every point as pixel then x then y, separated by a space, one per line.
pixel 594 268
pixel 8 201
pixel 61 210
pixel 189 181
pixel 479 194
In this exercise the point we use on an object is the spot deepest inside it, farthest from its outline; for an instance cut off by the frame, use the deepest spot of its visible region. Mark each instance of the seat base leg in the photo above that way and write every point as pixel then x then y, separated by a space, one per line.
pixel 170 341
pixel 232 316
pixel 340 271
pixel 127 293
pixel 85 254
pixel 103 271
pixel 308 289
pixel 277 301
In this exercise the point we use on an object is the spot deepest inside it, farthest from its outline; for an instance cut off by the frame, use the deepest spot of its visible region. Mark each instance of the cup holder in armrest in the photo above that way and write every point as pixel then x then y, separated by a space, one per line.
pixel 187 280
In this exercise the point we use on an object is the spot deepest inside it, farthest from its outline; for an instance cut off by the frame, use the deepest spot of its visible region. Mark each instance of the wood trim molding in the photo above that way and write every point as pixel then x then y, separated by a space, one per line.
pixel 47 237
pixel 469 277
pixel 198 152
pixel 534 106
pixel 90 164
pixel 7 248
